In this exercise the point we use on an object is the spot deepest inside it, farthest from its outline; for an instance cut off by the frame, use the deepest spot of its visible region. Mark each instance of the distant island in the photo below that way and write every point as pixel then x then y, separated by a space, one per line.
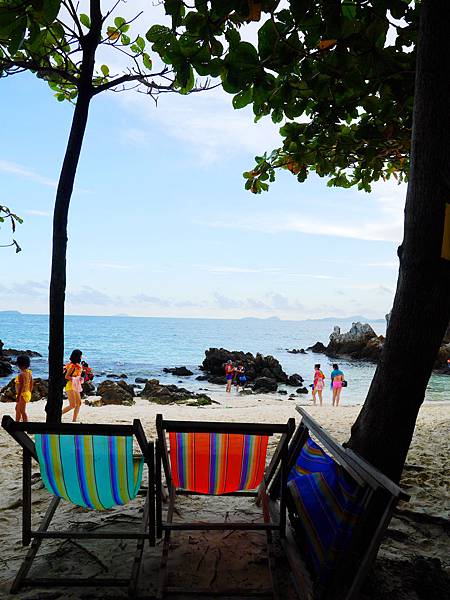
pixel 10 312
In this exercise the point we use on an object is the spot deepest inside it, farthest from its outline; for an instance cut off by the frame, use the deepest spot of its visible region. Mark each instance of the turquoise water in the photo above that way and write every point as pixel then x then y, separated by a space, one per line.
pixel 143 346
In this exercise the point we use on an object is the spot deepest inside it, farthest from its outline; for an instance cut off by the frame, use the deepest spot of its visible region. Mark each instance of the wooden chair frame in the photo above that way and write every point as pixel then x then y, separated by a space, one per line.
pixel 164 528
pixel 380 496
pixel 20 431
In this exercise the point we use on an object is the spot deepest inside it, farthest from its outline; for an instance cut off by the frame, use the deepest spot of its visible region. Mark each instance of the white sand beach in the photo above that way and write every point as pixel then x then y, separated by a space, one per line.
pixel 417 538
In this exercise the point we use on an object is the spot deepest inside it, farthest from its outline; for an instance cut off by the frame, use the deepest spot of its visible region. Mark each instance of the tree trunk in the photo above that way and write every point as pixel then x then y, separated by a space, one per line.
pixel 421 311
pixel 89 44
pixel 58 274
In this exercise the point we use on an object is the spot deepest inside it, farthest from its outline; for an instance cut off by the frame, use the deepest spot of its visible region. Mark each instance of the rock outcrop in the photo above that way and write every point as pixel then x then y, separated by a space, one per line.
pixel 5 368
pixel 172 394
pixel 114 393
pixel 179 371
pixel 318 347
pixel 256 367
pixel 360 341
pixel 265 385
pixel 40 390
pixel 296 351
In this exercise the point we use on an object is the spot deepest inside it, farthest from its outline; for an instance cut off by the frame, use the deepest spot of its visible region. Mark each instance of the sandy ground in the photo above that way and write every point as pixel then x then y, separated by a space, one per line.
pixel 414 558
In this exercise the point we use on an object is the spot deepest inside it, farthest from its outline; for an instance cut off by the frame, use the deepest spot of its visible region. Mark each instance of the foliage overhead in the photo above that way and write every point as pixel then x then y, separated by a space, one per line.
pixel 7 215
pixel 338 75
pixel 47 37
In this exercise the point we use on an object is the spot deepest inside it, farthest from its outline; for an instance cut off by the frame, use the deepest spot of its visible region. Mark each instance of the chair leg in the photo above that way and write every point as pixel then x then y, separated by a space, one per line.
pixel 163 570
pixel 134 577
pixel 270 554
pixel 35 544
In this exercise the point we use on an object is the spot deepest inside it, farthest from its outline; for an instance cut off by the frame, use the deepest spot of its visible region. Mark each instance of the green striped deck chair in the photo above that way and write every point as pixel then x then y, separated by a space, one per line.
pixel 91 466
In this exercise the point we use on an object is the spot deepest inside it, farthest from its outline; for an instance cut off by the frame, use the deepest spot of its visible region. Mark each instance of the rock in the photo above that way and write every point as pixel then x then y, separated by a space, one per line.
pixel 179 371
pixel 40 390
pixel 14 353
pixel 127 387
pixel 295 380
pixel 442 357
pixel 140 380
pixel 88 388
pixel 123 376
pixel 245 392
pixel 360 341
pixel 255 366
pixel 169 394
pixel 318 347
pixel 96 402
pixel 113 376
pixel 264 385
pixel 202 378
pixel 113 393
pixel 5 368
pixel 302 390
pixel 296 351
pixel 284 392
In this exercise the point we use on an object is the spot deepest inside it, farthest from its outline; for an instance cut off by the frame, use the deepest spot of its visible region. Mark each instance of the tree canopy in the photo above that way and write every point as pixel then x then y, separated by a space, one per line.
pixel 338 75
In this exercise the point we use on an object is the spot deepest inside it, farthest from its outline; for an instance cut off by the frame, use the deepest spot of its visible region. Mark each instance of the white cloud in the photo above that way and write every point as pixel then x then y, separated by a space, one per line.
pixel 21 171
pixel 38 213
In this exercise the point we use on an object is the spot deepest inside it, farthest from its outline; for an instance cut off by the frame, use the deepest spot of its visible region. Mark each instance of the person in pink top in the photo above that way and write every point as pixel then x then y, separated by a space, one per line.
pixel 318 384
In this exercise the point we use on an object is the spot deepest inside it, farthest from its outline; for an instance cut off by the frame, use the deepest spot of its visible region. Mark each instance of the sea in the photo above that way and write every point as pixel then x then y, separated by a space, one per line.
pixel 143 346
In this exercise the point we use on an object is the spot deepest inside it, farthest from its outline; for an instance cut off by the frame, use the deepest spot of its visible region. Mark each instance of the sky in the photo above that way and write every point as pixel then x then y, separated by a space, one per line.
pixel 160 223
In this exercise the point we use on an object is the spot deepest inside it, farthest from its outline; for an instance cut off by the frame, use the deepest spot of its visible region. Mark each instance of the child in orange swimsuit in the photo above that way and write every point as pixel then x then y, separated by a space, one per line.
pixel 73 386
pixel 24 387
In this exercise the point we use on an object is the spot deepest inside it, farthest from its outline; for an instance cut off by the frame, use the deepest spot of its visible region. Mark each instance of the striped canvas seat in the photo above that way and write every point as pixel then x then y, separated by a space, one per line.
pixel 217 463
pixel 93 471
pixel 327 505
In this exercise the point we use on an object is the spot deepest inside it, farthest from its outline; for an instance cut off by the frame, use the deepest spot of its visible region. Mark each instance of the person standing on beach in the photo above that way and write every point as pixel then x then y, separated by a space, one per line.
pixel 337 378
pixel 229 371
pixel 24 387
pixel 318 384
pixel 73 388
pixel 241 378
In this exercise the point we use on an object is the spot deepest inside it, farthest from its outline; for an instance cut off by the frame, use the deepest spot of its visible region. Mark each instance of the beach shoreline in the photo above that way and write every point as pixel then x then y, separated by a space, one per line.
pixel 425 477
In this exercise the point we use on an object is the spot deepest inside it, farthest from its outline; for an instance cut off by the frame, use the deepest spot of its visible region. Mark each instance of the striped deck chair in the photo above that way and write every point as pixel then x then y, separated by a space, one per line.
pixel 91 466
pixel 339 507
pixel 217 459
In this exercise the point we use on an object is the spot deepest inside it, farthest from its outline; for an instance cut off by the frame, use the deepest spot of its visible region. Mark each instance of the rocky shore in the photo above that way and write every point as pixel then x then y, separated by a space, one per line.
pixel 263 373
pixel 362 343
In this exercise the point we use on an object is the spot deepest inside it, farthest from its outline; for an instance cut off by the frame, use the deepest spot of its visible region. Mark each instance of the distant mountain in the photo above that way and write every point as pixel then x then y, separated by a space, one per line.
pixel 351 319
pixel 10 312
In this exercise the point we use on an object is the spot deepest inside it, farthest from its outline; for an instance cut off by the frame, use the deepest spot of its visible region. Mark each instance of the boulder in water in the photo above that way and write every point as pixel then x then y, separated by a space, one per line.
pixel 179 371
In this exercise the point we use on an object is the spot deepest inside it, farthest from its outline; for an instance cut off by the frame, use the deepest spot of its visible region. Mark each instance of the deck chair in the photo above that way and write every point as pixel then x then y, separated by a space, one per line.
pixel 339 507
pixel 217 459
pixel 91 466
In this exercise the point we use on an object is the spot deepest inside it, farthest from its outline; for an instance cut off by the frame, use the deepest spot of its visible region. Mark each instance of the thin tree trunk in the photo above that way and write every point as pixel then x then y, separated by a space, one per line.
pixel 89 44
pixel 58 273
pixel 383 431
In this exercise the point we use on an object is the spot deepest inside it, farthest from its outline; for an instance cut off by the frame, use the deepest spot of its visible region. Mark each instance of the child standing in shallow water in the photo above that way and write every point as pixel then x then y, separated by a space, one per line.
pixel 24 387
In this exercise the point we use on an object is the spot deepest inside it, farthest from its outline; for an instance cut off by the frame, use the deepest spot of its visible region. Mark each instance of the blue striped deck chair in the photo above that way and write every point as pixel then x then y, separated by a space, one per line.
pixel 338 506
pixel 90 466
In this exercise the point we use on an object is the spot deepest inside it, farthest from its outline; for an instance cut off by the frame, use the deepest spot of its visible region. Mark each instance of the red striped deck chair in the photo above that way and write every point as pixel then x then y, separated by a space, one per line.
pixel 217 459
pixel 90 466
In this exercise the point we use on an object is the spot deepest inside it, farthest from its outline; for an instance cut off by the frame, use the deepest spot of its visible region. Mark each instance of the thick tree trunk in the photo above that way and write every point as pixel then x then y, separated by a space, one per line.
pixel 58 274
pixel 89 44
pixel 383 431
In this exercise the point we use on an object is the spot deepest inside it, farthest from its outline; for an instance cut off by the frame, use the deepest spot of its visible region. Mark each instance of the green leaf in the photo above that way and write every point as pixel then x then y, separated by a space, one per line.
pixel 125 40
pixel 147 61
pixel 140 42
pixel 85 20
pixel 119 22
pixel 348 9
pixel 105 70
pixel 243 98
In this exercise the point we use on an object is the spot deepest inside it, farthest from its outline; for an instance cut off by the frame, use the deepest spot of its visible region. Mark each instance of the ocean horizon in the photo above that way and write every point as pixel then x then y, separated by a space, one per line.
pixel 144 346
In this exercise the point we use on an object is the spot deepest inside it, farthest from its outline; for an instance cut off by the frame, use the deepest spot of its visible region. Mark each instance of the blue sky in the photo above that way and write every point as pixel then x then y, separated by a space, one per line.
pixel 160 223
